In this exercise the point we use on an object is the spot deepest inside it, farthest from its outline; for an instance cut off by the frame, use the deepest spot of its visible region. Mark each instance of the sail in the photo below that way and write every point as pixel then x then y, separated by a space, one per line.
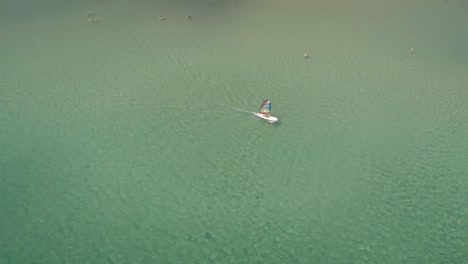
pixel 265 107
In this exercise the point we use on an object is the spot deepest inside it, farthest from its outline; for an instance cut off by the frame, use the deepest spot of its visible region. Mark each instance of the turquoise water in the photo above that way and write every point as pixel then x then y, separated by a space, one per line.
pixel 130 140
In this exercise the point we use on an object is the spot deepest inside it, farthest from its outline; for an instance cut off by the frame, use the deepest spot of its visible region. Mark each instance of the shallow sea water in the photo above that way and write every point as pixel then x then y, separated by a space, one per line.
pixel 131 140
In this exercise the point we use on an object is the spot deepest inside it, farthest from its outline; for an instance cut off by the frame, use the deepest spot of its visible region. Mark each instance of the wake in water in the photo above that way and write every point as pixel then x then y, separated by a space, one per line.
pixel 236 109
pixel 242 110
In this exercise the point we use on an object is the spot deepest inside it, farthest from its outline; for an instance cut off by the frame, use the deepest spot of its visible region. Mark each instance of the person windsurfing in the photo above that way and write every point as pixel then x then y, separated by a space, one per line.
pixel 264 109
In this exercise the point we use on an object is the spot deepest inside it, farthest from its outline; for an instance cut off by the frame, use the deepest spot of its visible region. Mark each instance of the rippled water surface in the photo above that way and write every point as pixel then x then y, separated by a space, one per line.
pixel 132 140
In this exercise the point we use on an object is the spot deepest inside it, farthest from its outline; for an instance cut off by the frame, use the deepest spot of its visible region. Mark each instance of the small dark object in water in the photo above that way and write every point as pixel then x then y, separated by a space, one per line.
pixel 189 17
pixel 208 236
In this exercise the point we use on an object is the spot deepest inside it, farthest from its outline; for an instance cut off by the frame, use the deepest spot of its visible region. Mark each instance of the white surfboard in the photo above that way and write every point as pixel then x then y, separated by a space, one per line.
pixel 270 119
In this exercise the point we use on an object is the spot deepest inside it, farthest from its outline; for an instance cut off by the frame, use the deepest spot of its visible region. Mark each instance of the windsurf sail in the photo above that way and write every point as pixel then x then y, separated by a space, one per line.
pixel 265 108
